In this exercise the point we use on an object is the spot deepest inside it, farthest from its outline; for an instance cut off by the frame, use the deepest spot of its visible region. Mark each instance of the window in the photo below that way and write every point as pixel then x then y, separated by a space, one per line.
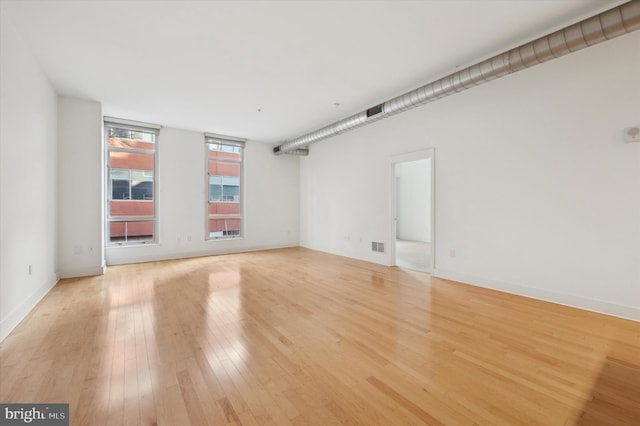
pixel 131 159
pixel 224 187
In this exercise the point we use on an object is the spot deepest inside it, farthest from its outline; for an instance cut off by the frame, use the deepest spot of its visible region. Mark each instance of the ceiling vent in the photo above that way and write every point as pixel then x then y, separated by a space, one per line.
pixel 375 110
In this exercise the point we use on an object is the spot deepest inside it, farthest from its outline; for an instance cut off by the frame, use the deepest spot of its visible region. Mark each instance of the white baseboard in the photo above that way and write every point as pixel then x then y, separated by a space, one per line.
pixel 81 272
pixel 11 321
pixel 608 308
pixel 154 257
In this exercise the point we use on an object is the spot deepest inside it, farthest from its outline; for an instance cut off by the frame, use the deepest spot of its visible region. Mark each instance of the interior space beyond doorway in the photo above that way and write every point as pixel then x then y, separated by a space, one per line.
pixel 413 211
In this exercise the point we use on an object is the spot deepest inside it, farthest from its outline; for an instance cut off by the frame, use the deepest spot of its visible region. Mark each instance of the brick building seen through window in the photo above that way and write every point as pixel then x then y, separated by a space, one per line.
pixel 131 210
pixel 131 184
pixel 224 174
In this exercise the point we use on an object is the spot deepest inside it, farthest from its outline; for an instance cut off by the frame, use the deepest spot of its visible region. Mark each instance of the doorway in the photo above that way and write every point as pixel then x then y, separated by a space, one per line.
pixel 412 226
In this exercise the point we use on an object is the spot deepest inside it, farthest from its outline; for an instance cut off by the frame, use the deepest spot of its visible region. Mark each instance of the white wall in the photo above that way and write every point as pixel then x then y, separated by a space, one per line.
pixel 27 181
pixel 271 210
pixel 80 183
pixel 413 189
pixel 535 190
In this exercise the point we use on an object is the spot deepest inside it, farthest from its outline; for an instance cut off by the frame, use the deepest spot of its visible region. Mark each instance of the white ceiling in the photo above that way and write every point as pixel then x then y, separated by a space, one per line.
pixel 210 65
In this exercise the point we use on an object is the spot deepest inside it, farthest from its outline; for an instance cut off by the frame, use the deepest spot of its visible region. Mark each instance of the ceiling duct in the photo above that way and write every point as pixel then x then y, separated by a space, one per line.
pixel 302 152
pixel 604 26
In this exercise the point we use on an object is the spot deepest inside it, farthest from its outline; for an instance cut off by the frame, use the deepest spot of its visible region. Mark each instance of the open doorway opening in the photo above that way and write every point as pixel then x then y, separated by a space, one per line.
pixel 413 212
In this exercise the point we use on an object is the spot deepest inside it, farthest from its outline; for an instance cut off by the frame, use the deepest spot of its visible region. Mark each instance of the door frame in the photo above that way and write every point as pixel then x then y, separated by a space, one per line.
pixel 403 158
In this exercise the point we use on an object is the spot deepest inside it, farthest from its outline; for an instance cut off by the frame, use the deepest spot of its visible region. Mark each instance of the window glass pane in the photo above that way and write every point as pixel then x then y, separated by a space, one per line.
pixel 231 180
pixel 141 190
pixel 142 175
pixel 133 208
pixel 224 168
pixel 225 154
pixel 120 190
pixel 139 187
pixel 132 135
pixel 224 148
pixel 224 208
pixel 215 192
pixel 130 160
pixel 224 228
pixel 120 174
pixel 230 193
pixel 130 232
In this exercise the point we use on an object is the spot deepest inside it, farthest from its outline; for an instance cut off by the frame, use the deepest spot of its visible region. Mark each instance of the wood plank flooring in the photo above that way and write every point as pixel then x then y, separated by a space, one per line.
pixel 297 337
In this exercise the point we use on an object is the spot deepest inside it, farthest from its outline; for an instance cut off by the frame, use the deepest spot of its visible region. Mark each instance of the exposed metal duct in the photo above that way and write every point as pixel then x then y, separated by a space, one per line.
pixel 604 26
pixel 303 152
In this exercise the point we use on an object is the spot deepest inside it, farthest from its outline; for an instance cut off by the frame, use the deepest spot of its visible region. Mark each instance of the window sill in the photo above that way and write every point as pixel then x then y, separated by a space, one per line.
pixel 110 246
pixel 213 240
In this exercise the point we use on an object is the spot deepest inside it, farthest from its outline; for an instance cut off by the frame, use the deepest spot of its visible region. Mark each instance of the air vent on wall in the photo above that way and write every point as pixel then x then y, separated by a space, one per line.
pixel 375 110
pixel 378 247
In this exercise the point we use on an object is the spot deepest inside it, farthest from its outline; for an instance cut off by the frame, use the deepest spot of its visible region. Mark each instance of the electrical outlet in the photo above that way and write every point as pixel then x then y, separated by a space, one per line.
pixel 452 253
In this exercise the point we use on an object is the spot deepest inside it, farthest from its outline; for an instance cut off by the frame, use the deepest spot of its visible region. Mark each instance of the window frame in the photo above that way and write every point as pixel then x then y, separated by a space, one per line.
pixel 210 138
pixel 117 123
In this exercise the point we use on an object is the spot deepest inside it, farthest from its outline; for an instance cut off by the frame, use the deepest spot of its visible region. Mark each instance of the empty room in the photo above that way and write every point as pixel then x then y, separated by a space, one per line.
pixel 320 212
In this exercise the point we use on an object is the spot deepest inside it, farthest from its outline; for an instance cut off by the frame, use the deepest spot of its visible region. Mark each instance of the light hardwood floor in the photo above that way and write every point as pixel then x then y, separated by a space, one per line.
pixel 300 337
